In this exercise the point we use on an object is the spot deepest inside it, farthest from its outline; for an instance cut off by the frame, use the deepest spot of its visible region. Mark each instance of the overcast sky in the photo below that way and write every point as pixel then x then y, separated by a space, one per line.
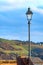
pixel 13 21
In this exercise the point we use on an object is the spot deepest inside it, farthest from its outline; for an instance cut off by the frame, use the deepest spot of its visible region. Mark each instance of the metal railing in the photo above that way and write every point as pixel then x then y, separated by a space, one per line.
pixel 8 62
pixel 15 62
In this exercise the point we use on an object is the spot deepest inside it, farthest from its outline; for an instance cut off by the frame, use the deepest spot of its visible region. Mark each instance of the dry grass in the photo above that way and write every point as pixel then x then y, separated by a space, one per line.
pixel 37 46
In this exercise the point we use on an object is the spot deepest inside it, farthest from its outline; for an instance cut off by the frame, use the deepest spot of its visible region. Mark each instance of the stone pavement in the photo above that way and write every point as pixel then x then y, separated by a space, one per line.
pixel 36 61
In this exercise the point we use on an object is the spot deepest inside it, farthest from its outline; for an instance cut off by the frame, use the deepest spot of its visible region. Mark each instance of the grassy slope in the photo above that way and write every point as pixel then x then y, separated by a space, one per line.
pixel 24 48
pixel 23 51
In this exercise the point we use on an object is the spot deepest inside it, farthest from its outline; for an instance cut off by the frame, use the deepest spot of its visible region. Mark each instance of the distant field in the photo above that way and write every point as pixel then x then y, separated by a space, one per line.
pixel 37 46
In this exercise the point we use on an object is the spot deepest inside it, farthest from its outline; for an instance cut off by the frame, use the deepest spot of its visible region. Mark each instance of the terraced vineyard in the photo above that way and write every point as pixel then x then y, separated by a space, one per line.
pixel 9 49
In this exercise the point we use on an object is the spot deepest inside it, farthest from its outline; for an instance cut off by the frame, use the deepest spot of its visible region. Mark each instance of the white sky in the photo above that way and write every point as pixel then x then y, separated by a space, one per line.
pixel 16 4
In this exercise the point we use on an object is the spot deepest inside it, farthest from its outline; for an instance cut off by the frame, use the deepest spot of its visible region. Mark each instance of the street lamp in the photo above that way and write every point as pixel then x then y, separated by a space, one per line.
pixel 29 14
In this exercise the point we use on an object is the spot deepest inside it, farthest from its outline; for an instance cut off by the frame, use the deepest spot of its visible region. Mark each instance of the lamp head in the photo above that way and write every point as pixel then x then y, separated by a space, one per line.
pixel 29 14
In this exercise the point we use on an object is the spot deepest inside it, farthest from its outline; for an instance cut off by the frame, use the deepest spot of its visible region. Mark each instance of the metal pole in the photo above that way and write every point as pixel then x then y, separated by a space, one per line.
pixel 29 47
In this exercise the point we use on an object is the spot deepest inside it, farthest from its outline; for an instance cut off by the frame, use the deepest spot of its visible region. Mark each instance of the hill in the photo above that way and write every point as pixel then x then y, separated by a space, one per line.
pixel 9 49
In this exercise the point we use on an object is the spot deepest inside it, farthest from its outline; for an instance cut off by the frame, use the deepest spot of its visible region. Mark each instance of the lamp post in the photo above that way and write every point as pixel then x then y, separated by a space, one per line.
pixel 29 14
